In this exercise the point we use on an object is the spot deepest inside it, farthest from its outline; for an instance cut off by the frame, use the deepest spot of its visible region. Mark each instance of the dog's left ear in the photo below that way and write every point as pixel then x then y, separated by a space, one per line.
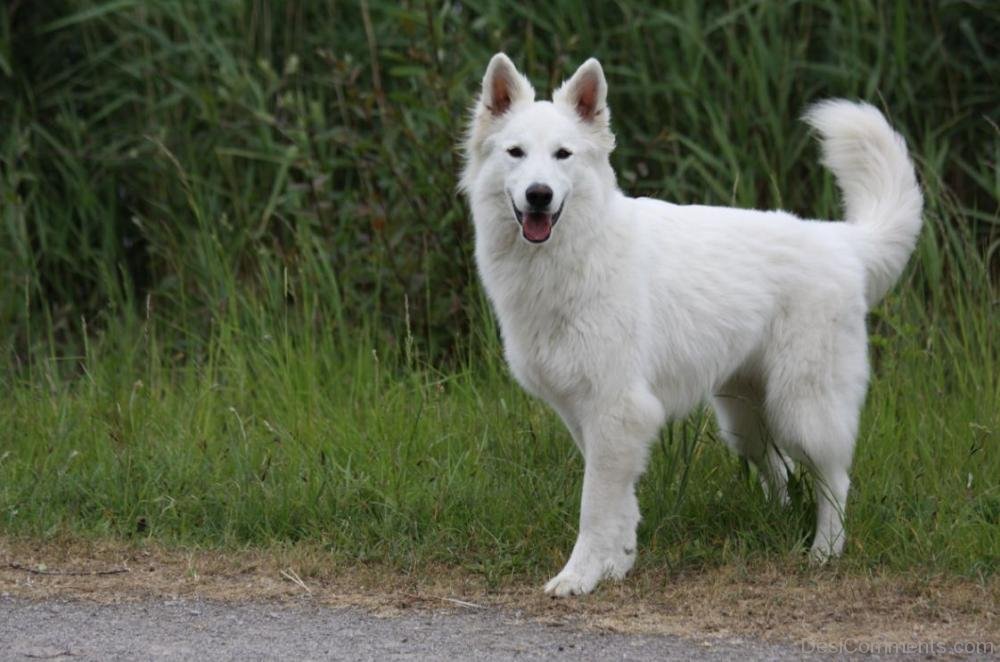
pixel 587 94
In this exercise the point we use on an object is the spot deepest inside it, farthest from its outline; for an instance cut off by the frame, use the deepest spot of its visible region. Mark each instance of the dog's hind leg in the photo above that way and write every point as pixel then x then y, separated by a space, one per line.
pixel 831 485
pixel 739 408
pixel 815 391
pixel 616 444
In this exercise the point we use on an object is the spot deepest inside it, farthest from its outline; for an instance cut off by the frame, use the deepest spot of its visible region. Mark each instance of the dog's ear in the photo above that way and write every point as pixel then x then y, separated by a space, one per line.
pixel 587 94
pixel 503 86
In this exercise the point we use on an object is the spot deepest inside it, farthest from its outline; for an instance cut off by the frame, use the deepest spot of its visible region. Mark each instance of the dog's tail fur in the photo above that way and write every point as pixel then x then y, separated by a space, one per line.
pixel 878 182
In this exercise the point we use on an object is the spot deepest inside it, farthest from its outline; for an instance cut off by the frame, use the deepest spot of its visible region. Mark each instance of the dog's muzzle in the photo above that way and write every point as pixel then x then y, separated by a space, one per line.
pixel 536 225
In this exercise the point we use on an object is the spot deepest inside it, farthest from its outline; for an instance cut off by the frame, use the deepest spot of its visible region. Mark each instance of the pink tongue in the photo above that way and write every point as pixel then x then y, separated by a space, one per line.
pixel 537 227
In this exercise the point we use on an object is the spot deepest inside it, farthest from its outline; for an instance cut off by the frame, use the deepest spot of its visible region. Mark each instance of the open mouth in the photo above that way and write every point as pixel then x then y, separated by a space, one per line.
pixel 536 226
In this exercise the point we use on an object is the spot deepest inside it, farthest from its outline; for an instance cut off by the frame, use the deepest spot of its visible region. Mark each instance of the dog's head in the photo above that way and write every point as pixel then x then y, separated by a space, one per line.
pixel 535 157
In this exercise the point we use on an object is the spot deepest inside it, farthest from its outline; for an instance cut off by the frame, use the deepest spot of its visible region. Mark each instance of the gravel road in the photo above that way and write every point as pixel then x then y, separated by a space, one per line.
pixel 192 629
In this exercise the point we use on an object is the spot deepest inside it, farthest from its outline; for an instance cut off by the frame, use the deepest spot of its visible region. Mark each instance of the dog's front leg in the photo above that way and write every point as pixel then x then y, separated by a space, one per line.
pixel 615 456
pixel 605 546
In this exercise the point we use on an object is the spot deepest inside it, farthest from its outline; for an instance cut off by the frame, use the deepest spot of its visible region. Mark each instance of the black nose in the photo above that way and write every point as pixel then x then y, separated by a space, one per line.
pixel 538 195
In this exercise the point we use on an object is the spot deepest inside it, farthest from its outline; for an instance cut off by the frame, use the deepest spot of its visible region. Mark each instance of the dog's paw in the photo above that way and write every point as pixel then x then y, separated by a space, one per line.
pixel 819 557
pixel 622 562
pixel 580 578
pixel 568 582
pixel 822 554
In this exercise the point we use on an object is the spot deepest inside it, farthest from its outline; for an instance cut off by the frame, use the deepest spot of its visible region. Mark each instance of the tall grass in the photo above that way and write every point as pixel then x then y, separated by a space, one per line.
pixel 238 303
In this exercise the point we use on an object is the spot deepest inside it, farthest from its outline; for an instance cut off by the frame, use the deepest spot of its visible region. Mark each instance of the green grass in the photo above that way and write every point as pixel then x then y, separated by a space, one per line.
pixel 280 436
pixel 238 307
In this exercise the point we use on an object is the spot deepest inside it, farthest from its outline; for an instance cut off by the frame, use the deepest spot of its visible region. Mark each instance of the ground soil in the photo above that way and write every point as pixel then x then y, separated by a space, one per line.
pixel 769 603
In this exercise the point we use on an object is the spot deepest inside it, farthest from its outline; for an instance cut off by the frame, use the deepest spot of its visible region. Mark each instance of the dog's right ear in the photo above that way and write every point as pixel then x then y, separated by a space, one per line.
pixel 503 87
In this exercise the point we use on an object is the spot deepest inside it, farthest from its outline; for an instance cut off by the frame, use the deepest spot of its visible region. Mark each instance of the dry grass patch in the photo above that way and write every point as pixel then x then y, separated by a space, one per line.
pixel 767 601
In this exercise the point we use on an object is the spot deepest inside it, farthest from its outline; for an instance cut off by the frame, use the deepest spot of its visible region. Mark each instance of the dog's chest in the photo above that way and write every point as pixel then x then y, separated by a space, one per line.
pixel 547 354
pixel 559 342
pixel 561 320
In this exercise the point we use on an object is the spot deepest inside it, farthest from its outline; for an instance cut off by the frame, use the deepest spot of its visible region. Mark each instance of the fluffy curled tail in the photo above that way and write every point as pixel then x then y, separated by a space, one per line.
pixel 879 185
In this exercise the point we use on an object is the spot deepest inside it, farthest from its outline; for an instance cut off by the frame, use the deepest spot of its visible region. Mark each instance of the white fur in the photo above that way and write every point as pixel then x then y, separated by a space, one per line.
pixel 635 311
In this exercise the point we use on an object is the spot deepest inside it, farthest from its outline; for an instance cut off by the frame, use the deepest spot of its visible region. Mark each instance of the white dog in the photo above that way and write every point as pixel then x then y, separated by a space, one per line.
pixel 622 313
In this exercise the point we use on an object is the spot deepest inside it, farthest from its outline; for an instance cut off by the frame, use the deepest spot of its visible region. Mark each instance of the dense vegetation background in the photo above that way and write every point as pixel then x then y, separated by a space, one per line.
pixel 175 156
pixel 237 300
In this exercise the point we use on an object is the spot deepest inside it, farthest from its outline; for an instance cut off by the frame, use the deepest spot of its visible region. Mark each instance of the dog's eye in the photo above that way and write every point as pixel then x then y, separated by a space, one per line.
pixel 562 153
pixel 516 152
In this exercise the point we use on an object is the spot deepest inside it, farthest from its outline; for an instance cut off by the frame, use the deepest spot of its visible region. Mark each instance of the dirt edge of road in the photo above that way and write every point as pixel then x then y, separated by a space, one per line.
pixel 768 601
